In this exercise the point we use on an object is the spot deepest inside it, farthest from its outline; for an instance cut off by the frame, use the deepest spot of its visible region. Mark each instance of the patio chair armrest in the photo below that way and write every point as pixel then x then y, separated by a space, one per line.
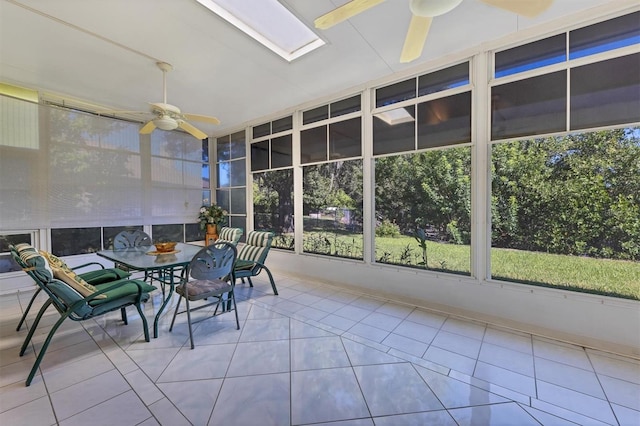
pixel 84 265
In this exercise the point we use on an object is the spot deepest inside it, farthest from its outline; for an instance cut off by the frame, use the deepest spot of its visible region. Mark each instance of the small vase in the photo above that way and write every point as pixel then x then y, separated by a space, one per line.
pixel 212 232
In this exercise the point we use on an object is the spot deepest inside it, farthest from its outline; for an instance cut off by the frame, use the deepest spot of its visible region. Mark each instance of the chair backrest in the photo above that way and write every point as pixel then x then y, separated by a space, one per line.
pixel 126 239
pixel 257 246
pixel 36 266
pixel 213 262
pixel 230 235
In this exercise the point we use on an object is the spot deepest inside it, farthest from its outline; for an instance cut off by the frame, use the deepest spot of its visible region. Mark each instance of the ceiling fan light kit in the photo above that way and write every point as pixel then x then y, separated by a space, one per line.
pixel 423 11
pixel 165 123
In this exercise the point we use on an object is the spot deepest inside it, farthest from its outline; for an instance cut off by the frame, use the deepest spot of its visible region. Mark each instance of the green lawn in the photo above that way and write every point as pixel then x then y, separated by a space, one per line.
pixel 601 276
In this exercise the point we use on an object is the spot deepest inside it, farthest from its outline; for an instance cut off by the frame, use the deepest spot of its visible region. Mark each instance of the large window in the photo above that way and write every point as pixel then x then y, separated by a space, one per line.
pixel 423 198
pixel 423 210
pixel 331 137
pixel 332 209
pixel 272 148
pixel 273 205
pixel 565 209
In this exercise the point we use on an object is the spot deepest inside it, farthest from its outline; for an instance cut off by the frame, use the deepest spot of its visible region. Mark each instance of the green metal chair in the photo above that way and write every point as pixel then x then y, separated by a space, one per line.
pixel 252 256
pixel 95 277
pixel 70 303
pixel 209 274
pixel 230 235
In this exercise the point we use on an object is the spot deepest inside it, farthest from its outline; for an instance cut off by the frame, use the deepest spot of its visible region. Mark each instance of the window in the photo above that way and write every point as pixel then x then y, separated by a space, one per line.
pixel 232 178
pixel 601 93
pixel 273 189
pixel 533 106
pixel 179 170
pixel 422 199
pixel 275 152
pixel 167 233
pixel 433 82
pixel 342 139
pixel 110 232
pixel 7 264
pixel 95 170
pixel 440 117
pixel 70 241
pixel 273 205
pixel 444 121
pixel 604 36
pixel 423 210
pixel 600 97
pixel 566 211
pixel 564 206
pixel 529 56
pixel 332 208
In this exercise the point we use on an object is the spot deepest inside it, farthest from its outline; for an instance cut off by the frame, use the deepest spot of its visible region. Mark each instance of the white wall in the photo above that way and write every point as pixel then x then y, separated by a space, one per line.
pixel 599 322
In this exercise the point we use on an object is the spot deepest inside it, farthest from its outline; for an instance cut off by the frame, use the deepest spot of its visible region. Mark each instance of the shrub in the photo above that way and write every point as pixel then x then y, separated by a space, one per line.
pixel 387 229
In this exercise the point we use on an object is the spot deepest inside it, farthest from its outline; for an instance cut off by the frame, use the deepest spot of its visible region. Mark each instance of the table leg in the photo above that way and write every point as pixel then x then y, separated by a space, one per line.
pixel 166 301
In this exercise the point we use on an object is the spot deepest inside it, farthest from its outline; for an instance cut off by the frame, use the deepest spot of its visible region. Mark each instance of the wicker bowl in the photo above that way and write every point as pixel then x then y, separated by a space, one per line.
pixel 165 247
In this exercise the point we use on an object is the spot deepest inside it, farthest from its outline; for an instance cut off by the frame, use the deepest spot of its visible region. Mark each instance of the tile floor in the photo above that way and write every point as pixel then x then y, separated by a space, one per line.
pixel 315 354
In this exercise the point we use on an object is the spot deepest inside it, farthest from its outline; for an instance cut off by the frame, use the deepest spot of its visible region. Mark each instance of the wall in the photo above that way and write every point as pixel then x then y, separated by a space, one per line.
pixel 600 322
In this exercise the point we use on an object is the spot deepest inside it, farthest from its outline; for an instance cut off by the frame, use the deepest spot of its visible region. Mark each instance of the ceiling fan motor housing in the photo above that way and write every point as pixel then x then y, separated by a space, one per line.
pixel 431 8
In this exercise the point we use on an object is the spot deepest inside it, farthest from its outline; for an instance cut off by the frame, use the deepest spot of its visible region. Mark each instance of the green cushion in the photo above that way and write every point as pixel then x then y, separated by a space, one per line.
pixel 243 264
pixel 100 276
pixel 127 289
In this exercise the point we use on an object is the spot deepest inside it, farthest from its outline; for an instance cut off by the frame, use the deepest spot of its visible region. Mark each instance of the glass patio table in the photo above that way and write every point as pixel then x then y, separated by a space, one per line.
pixel 146 259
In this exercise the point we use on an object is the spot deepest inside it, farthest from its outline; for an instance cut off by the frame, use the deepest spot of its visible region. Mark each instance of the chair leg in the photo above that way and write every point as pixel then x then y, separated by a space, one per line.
pixel 123 314
pixel 145 326
pixel 26 311
pixel 45 345
pixel 250 282
pixel 32 330
pixel 273 283
pixel 186 300
pixel 235 308
pixel 175 313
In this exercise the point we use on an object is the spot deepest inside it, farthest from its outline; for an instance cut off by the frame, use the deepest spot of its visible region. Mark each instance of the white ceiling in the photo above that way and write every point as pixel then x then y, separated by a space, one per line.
pixel 218 70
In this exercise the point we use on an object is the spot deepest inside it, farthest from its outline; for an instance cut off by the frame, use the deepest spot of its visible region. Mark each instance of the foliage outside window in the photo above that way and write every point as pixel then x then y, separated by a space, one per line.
pixel 566 212
pixel 273 205
pixel 273 189
pixel 70 241
pixel 422 199
pixel 167 233
pixel 423 208
pixel 332 208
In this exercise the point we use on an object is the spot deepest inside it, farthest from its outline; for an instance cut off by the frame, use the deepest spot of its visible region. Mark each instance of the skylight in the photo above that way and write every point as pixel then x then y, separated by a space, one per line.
pixel 268 22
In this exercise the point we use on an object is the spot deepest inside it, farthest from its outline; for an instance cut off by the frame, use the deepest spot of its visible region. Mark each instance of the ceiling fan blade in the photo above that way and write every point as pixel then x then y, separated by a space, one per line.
pixel 416 36
pixel 148 128
pixel 196 133
pixel 530 8
pixel 344 12
pixel 202 118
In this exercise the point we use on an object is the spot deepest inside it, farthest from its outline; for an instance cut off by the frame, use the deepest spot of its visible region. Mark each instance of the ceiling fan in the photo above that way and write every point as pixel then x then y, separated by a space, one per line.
pixel 169 117
pixel 423 13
